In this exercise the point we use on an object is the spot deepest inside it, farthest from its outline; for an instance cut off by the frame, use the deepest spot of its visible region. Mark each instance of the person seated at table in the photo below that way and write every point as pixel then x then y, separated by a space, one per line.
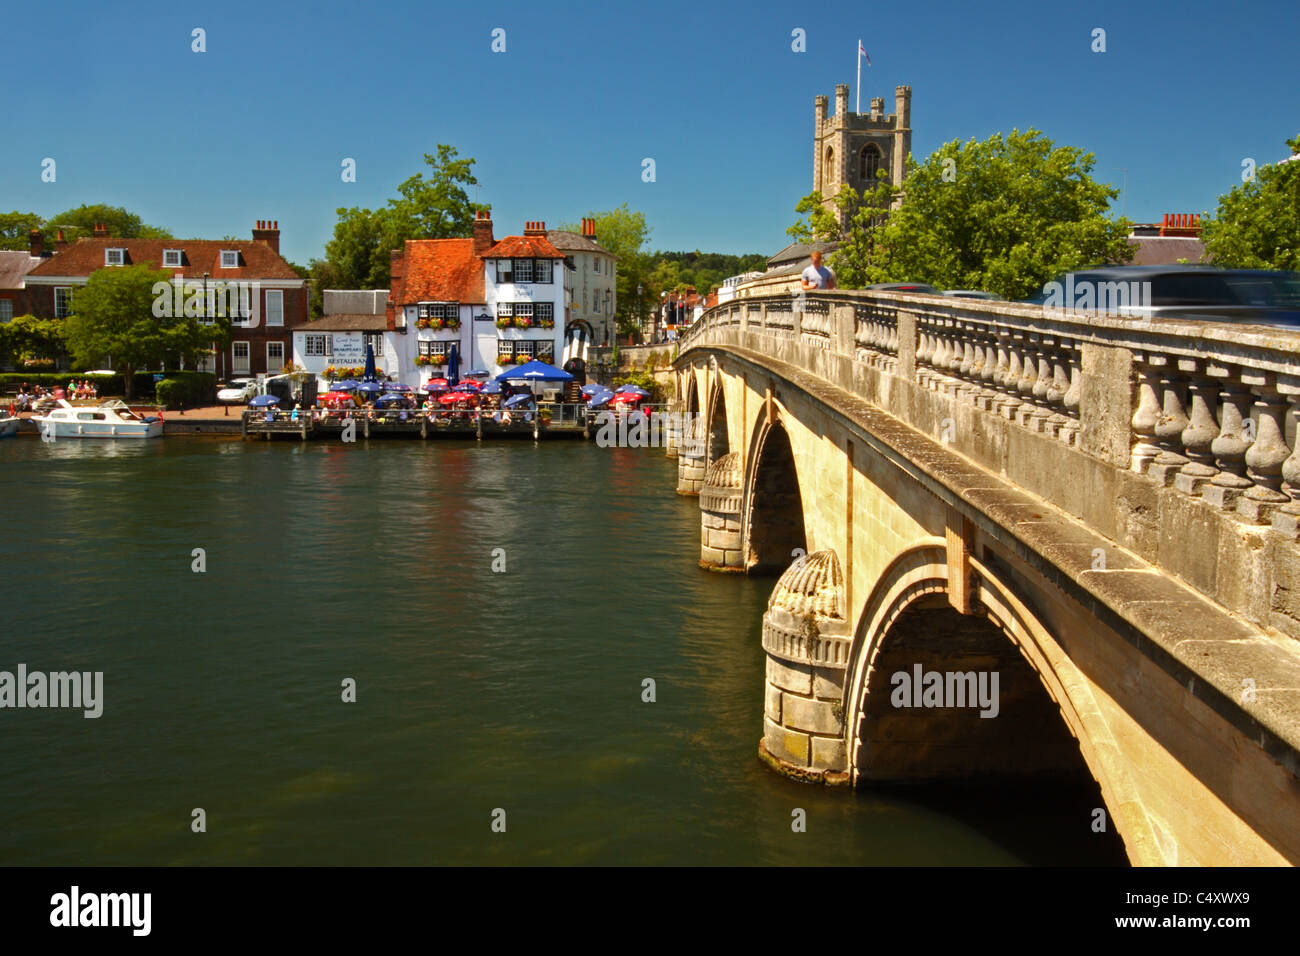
pixel 293 416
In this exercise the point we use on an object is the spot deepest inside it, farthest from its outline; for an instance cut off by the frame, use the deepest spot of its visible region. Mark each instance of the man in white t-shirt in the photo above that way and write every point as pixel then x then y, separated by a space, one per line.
pixel 817 276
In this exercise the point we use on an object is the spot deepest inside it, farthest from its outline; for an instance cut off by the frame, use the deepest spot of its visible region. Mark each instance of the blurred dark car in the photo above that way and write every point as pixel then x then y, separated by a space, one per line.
pixel 917 288
pixel 1256 296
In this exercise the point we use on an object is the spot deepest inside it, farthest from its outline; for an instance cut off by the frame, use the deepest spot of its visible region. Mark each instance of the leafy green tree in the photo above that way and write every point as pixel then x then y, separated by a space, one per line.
pixel 1005 215
pixel 116 314
pixel 359 254
pixel 624 233
pixel 29 337
pixel 1257 224
pixel 853 220
pixel 16 228
pixel 437 207
pixel 81 221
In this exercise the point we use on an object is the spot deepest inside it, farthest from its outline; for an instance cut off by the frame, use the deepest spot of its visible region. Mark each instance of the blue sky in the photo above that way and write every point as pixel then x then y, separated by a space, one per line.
pixel 257 127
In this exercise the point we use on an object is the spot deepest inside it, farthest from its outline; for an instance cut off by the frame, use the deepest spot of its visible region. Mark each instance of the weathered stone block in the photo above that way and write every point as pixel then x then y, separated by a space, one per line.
pixel 828 683
pixel 796 678
pixel 816 716
pixel 829 753
pixel 772 702
pixel 786 744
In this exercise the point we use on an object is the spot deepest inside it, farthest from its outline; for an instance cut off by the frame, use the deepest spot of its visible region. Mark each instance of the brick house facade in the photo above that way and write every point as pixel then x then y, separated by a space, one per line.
pixel 246 279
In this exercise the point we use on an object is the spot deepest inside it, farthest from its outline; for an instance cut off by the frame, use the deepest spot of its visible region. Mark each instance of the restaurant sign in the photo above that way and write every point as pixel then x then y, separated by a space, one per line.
pixel 349 348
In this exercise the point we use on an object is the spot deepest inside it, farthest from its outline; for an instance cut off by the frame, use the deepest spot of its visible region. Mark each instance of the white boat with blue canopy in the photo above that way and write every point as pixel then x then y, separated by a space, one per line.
pixel 112 419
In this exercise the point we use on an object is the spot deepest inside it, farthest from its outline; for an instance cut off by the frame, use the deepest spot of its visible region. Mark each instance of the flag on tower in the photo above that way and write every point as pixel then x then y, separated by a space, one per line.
pixel 862 51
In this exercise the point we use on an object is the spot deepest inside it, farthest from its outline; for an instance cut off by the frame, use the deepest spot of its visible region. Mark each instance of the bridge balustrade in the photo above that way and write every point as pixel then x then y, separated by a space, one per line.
pixel 1214 406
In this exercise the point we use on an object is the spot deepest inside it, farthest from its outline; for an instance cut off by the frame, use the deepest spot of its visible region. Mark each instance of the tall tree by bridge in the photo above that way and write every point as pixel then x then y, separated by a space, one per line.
pixel 1257 224
pixel 1004 214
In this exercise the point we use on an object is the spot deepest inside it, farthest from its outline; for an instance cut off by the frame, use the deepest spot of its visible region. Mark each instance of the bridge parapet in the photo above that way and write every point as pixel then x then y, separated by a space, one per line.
pixel 1175 439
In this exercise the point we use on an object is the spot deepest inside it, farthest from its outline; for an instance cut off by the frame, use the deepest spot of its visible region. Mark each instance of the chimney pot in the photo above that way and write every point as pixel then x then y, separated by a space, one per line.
pixel 35 244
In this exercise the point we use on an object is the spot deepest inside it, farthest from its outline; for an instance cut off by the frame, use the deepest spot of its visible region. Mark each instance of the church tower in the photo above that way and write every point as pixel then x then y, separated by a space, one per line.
pixel 849 148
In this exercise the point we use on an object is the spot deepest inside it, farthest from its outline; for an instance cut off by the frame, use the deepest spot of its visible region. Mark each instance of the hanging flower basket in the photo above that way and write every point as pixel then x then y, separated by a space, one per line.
pixel 548 323
pixel 524 321
pixel 504 322
pixel 505 359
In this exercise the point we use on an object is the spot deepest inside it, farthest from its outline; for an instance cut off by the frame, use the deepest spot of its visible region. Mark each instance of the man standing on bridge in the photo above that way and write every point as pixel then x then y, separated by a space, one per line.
pixel 817 276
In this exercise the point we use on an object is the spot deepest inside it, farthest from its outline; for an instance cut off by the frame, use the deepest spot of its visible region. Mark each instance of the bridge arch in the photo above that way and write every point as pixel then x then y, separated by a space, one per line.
pixel 1045 708
pixel 717 441
pixel 773 530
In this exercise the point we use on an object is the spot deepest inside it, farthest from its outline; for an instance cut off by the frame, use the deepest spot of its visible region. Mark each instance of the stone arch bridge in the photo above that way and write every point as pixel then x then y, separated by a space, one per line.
pixel 1012 543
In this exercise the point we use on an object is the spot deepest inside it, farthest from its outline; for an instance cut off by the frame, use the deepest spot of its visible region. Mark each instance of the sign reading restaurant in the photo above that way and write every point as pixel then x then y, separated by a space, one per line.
pixel 349 347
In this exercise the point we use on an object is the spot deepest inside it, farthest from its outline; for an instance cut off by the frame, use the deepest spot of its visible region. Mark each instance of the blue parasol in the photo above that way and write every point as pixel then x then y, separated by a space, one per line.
pixel 370 387
pixel 537 372
pixel 398 387
pixel 453 364
pixel 369 374
pixel 347 385
pixel 491 388
pixel 476 373
pixel 514 401
pixel 592 389
pixel 600 399
pixel 264 401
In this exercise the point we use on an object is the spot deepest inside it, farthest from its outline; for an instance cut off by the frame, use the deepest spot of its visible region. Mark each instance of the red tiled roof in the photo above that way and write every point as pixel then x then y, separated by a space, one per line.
pixel 257 259
pixel 14 266
pixel 439 270
pixel 523 247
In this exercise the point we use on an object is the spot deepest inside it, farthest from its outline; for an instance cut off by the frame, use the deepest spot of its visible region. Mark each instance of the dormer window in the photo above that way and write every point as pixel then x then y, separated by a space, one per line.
pixel 114 257
pixel 230 258
pixel 171 258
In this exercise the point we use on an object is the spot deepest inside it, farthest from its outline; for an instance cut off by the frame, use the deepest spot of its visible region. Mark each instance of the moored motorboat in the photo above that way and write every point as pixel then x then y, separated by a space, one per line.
pixel 111 419
pixel 8 426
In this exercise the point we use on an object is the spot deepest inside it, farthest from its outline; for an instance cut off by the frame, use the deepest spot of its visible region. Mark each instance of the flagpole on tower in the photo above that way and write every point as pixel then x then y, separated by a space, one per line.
pixel 857 103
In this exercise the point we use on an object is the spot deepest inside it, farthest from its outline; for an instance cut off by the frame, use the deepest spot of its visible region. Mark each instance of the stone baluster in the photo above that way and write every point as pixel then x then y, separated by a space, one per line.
pixel 1028 376
pixel 1265 457
pixel 1145 417
pixel 1202 428
pixel 1010 384
pixel 1229 447
pixel 1287 518
pixel 1169 427
pixel 1073 396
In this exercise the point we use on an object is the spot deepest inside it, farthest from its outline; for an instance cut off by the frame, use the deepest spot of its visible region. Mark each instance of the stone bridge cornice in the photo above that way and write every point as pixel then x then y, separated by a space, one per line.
pixel 1189 636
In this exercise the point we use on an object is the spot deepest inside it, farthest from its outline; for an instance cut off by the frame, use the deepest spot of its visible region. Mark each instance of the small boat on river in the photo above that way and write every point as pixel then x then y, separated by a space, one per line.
pixel 112 419
pixel 8 426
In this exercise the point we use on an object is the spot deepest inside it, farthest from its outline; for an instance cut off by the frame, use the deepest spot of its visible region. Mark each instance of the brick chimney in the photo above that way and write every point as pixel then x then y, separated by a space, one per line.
pixel 483 240
pixel 100 231
pixel 268 231
pixel 535 228
pixel 35 244
pixel 589 229
pixel 1183 224
pixel 60 243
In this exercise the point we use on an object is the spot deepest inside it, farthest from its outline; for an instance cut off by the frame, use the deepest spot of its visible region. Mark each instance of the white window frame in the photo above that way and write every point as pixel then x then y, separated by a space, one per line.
pixel 322 341
pixel 6 310
pixel 272 345
pixel 274 313
pixel 234 357
pixel 66 310
pixel 109 257
pixel 523 268
pixel 180 258
pixel 232 253
pixel 505 271
pixel 543 310
pixel 543 267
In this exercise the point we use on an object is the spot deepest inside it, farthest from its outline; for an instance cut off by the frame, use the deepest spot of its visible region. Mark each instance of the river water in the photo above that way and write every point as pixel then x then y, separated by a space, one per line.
pixel 477 690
